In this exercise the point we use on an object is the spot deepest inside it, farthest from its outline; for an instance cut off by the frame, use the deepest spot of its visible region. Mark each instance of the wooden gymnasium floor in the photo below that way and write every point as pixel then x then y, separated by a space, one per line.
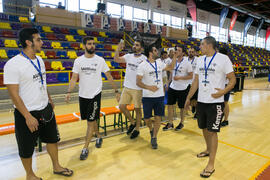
pixel 243 151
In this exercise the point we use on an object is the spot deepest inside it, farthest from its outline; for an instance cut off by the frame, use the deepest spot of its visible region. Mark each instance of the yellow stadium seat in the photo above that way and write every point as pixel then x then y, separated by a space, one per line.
pixel 109 64
pixel 81 32
pixel 81 45
pixel 70 38
pixel 72 54
pixel 3 54
pixel 24 19
pixel 113 54
pixel 4 25
pixel 46 29
pixel 103 34
pixel 114 47
pixel 42 55
pixel 11 43
pixel 56 45
pixel 57 65
pixel 95 39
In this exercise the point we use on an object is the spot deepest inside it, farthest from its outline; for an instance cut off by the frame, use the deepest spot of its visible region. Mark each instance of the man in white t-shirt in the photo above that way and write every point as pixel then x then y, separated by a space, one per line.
pixel 25 78
pixel 193 61
pixel 131 91
pixel 149 78
pixel 179 88
pixel 211 72
pixel 88 69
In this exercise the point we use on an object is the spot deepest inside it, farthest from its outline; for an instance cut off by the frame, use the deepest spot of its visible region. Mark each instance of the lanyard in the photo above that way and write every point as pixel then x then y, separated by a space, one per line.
pixel 37 68
pixel 192 60
pixel 177 66
pixel 155 68
pixel 206 68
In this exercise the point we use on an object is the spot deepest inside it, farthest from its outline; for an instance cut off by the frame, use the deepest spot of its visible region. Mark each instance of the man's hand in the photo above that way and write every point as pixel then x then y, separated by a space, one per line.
pixel 152 88
pixel 219 93
pixel 187 104
pixel 32 123
pixel 176 78
pixel 117 96
pixel 67 97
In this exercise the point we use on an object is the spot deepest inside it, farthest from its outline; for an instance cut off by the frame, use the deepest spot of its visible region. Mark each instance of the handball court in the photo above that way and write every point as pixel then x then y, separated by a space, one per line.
pixel 243 149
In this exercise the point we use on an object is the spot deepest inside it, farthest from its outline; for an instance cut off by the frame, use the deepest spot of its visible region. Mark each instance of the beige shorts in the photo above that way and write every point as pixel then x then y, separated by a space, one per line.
pixel 129 95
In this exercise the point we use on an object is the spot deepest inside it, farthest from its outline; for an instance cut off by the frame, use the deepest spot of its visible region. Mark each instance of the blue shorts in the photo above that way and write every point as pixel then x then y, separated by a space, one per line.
pixel 150 104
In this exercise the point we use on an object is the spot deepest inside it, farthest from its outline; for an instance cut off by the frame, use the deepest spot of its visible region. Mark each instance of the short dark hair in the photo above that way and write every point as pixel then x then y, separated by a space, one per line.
pixel 140 41
pixel 27 34
pixel 223 50
pixel 181 46
pixel 211 40
pixel 87 39
pixel 163 52
pixel 148 49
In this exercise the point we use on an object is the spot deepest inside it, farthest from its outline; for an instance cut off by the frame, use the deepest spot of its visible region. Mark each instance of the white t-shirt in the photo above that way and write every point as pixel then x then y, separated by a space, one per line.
pixel 89 70
pixel 19 70
pixel 184 67
pixel 132 64
pixel 149 77
pixel 193 64
pixel 219 68
pixel 167 62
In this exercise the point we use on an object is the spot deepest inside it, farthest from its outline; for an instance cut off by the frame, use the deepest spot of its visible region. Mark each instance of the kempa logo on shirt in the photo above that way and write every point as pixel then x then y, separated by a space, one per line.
pixel 92 116
pixel 218 119
pixel 133 66
pixel 210 69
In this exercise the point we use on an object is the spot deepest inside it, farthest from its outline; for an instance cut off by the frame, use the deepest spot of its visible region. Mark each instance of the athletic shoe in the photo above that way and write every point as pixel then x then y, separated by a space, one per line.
pixel 179 127
pixel 84 154
pixel 134 134
pixel 99 142
pixel 154 143
pixel 168 127
pixel 224 123
pixel 131 128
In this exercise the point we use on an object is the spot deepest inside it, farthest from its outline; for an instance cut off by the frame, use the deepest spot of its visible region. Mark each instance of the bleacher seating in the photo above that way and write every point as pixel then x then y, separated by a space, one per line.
pixel 42 55
pixel 62 77
pixel 51 78
pixel 57 66
pixel 56 45
pixel 5 25
pixel 12 53
pixel 51 54
pixel 48 65
pixel 72 54
pixel 10 43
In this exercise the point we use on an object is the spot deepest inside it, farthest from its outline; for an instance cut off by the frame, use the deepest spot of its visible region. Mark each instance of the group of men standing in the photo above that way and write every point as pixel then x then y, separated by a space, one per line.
pixel 191 79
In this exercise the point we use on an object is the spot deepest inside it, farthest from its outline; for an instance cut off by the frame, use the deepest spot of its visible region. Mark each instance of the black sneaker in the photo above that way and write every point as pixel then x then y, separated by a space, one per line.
pixel 84 154
pixel 195 116
pixel 99 142
pixel 224 123
pixel 179 127
pixel 154 143
pixel 134 134
pixel 168 127
pixel 131 128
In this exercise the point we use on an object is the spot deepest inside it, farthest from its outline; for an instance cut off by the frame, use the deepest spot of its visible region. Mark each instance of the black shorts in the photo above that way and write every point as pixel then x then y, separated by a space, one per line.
pixel 47 131
pixel 227 97
pixel 195 96
pixel 210 116
pixel 150 104
pixel 177 96
pixel 90 108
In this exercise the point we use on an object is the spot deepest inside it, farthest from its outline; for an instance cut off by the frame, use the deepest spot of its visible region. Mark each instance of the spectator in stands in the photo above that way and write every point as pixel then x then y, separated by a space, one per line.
pixel 88 68
pixel 210 75
pixel 225 122
pixel 179 87
pixel 149 78
pixel 193 61
pixel 131 91
pixel 25 78
pixel 189 28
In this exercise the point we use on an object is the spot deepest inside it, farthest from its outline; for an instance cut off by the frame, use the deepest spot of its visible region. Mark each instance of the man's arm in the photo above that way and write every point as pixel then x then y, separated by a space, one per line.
pixel 72 85
pixel 230 86
pixel 13 90
pixel 117 58
pixel 170 66
pixel 111 81
pixel 50 99
pixel 193 89
pixel 144 86
pixel 187 77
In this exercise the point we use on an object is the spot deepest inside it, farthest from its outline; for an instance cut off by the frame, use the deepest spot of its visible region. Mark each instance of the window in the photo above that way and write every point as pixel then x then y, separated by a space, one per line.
pixel 201 30
pixel 214 32
pixel 51 3
pixel 222 35
pixel 73 5
pixel 167 19
pixel 268 45
pixel 158 18
pixel 250 40
pixel 176 22
pixel 114 10
pixel 236 37
pixel 128 11
pixel 88 6
pixel 1 6
pixel 140 15
pixel 260 42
